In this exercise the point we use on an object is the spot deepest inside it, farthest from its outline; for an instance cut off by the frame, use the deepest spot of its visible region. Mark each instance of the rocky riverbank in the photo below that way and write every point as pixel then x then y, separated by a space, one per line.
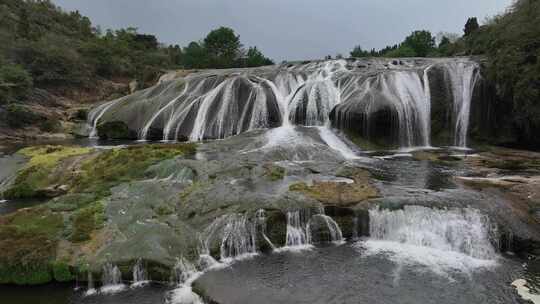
pixel 156 203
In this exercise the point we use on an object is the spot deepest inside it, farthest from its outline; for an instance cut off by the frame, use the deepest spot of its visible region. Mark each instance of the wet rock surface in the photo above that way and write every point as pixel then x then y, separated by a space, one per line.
pixel 161 211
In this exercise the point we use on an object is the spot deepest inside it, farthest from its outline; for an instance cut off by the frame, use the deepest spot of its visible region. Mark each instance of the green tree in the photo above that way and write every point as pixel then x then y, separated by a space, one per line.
pixel 402 51
pixel 421 42
pixel 15 82
pixel 223 47
pixel 471 26
pixel 444 46
pixel 195 56
pixel 358 52
pixel 256 58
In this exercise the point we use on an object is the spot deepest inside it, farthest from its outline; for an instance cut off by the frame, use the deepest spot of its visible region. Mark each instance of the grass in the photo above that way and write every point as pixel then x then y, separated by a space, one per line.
pixel 274 173
pixel 115 166
pixel 87 220
pixel 28 241
pixel 29 237
pixel 36 174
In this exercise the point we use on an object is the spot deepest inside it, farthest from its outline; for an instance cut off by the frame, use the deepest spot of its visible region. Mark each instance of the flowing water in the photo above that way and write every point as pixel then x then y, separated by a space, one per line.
pixel 426 240
pixel 346 94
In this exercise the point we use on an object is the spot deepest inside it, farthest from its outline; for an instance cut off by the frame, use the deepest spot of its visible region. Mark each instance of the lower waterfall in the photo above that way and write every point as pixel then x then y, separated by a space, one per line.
pixel 184 274
pixel 441 239
pixel 140 276
pixel 111 279
pixel 297 230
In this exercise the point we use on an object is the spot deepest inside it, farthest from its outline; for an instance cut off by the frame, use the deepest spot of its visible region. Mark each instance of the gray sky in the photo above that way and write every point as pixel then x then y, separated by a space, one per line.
pixel 289 29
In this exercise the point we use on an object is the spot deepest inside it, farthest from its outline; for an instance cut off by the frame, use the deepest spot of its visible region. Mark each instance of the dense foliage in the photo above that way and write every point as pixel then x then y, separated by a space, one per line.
pixel 511 43
pixel 45 47
pixel 222 49
pixel 417 44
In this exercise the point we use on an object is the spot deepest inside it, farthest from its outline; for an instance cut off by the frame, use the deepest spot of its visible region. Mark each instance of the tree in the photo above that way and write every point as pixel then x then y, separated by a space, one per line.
pixel 358 52
pixel 444 46
pixel 195 56
pixel 422 42
pixel 471 26
pixel 223 47
pixel 256 58
pixel 15 82
pixel 402 51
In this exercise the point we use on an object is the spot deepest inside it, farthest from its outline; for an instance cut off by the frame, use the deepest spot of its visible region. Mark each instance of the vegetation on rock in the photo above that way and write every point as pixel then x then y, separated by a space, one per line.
pixel 27 245
pixel 511 43
pixel 29 238
pixel 47 51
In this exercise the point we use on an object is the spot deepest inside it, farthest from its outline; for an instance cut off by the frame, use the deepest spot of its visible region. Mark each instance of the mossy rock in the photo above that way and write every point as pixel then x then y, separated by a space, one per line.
pixel 115 130
pixel 276 227
pixel 344 217
pixel 37 174
pixel 28 241
pixel 115 166
pixel 274 173
pixel 339 193
pixel 71 202
pixel 86 221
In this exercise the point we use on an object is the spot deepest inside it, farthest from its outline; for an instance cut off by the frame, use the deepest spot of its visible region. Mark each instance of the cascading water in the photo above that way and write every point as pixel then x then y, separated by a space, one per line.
pixel 441 239
pixel 140 276
pixel 407 93
pixel 298 233
pixel 235 235
pixel 95 115
pixel 334 232
pixel 239 238
pixel 111 279
pixel 365 95
pixel 459 230
pixel 463 77
pixel 184 274
pixel 90 290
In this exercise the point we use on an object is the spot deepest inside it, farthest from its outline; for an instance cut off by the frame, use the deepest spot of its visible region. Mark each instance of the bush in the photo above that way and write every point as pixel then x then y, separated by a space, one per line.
pixel 15 82
pixel 18 116
pixel 61 272
pixel 51 125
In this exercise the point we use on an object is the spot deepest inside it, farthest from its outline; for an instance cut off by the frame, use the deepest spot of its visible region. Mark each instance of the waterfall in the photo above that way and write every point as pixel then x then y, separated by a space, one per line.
pixel 445 241
pixel 298 232
pixel 90 290
pixel 460 230
pixel 463 77
pixel 144 132
pixel 365 96
pixel 260 217
pixel 95 115
pixel 334 142
pixel 238 238
pixel 111 279
pixel 184 274
pixel 140 276
pixel 336 236
pixel 235 234
pixel 407 93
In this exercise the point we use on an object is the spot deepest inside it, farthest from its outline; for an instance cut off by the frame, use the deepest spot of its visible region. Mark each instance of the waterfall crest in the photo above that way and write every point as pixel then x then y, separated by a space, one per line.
pixel 372 97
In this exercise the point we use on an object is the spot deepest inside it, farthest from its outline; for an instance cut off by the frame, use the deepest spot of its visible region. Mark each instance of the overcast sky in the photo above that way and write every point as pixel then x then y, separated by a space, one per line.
pixel 289 29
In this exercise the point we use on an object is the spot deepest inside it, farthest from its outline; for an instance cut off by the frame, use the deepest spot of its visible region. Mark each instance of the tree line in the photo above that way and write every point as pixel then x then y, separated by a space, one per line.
pixel 45 47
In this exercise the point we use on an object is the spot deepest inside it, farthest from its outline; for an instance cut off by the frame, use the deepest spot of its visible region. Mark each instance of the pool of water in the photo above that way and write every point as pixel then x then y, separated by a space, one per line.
pixel 349 274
